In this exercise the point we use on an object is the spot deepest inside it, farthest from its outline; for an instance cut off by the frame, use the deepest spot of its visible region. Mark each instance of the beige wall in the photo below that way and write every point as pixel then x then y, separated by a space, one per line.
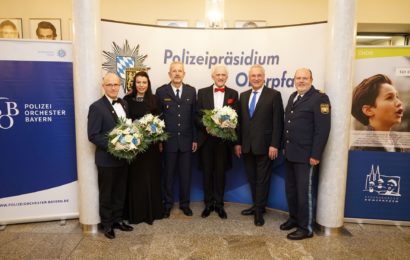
pixel 373 15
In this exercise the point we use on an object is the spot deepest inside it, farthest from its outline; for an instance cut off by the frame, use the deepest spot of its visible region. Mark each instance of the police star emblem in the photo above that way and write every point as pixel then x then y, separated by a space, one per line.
pixel 122 60
pixel 324 108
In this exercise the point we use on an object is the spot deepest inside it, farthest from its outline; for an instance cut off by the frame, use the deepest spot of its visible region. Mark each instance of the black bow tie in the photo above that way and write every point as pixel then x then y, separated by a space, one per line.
pixel 116 101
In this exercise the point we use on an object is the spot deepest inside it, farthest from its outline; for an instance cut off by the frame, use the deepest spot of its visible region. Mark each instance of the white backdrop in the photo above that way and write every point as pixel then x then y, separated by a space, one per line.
pixel 288 47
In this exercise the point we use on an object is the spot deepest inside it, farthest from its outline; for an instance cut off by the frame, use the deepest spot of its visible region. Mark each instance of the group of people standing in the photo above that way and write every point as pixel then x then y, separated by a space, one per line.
pixel 143 192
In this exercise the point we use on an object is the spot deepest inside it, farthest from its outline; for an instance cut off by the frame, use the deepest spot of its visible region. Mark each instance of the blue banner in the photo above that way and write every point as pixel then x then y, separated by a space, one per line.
pixel 378 186
pixel 37 126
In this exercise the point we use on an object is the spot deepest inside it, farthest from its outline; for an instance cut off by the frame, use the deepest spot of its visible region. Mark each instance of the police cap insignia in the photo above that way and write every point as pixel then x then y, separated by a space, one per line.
pixel 324 108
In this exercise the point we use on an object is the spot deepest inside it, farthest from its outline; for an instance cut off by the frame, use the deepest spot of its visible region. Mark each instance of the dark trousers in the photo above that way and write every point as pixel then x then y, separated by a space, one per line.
pixel 259 170
pixel 177 163
pixel 112 183
pixel 299 184
pixel 214 162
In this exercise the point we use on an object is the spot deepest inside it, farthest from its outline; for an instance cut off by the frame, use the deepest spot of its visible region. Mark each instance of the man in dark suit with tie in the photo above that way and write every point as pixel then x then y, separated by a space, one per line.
pixel 307 127
pixel 261 126
pixel 178 108
pixel 215 154
pixel 112 172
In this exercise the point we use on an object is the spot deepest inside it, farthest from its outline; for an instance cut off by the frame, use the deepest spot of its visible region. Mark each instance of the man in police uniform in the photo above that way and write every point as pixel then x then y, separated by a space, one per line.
pixel 307 127
pixel 178 108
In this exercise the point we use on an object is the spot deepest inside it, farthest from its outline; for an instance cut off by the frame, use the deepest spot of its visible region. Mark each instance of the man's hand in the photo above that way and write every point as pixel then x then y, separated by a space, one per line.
pixel 238 150
pixel 273 153
pixel 313 161
pixel 194 146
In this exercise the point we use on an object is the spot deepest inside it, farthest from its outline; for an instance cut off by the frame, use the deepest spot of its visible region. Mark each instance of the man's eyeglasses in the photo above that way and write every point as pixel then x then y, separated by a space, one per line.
pixel 112 85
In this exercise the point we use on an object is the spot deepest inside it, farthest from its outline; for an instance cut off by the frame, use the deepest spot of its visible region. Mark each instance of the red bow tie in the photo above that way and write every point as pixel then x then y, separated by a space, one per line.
pixel 220 89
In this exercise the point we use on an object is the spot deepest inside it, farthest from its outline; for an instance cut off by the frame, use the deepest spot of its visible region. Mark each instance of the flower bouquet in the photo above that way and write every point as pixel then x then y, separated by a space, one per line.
pixel 221 122
pixel 152 128
pixel 126 140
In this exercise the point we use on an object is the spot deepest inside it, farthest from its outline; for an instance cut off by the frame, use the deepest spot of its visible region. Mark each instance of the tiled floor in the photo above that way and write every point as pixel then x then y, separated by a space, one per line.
pixel 181 237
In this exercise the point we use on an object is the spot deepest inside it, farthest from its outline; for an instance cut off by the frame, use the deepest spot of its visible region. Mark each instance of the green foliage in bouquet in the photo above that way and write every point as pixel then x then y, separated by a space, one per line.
pixel 126 140
pixel 221 122
pixel 153 128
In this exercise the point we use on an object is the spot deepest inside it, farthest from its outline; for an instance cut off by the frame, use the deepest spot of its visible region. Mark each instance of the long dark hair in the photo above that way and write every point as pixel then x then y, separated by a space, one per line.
pixel 149 98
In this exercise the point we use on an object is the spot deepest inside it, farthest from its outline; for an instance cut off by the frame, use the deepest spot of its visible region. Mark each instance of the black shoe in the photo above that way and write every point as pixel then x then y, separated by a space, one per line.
pixel 167 213
pixel 221 212
pixel 207 211
pixel 259 221
pixel 187 211
pixel 248 212
pixel 299 234
pixel 109 233
pixel 122 226
pixel 251 211
pixel 288 225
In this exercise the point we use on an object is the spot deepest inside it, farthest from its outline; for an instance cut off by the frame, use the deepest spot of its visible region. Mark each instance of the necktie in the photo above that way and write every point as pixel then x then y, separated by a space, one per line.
pixel 177 93
pixel 253 104
pixel 297 99
pixel 220 90
pixel 116 101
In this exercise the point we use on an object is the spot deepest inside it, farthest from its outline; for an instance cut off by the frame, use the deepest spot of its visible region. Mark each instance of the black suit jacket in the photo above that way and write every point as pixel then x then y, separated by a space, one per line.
pixel 101 120
pixel 206 101
pixel 265 127
pixel 179 117
pixel 307 126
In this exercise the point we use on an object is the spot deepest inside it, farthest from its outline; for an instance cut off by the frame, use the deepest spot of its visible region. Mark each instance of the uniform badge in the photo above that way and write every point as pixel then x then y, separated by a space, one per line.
pixel 167 99
pixel 324 108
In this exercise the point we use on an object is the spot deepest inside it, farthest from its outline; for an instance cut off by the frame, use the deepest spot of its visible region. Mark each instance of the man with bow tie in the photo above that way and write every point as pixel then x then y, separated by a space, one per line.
pixel 215 154
pixel 261 126
pixel 112 172
pixel 307 127
pixel 178 108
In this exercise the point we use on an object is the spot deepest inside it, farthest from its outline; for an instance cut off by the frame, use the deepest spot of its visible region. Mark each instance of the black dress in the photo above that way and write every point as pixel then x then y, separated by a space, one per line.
pixel 144 200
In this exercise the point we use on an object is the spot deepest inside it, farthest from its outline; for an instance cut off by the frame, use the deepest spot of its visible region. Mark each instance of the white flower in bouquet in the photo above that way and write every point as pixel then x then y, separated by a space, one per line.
pixel 153 128
pixel 126 140
pixel 221 122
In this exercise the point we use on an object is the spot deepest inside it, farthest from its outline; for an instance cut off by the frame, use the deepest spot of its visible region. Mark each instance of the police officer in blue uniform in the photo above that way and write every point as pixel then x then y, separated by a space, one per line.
pixel 306 130
pixel 178 108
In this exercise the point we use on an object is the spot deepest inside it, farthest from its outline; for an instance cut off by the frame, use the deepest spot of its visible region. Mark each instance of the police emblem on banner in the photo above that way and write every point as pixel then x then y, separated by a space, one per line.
pixel 124 62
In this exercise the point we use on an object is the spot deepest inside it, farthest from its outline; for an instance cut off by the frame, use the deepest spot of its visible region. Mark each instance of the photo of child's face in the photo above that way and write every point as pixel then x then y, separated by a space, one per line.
pixel 388 109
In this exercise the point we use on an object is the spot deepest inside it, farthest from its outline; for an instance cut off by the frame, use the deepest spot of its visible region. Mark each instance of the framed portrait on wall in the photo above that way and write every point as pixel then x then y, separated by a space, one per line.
pixel 45 28
pixel 172 23
pixel 202 24
pixel 250 23
pixel 11 28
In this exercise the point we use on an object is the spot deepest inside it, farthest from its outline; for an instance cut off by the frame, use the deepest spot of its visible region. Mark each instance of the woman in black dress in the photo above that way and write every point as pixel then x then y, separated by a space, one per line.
pixel 143 202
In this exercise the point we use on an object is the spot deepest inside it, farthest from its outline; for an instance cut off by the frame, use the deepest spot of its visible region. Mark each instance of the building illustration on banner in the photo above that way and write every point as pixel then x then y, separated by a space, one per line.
pixel 125 62
pixel 385 185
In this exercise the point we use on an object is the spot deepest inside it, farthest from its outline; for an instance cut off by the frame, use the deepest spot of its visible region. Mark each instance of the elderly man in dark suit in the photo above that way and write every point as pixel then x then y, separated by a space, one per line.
pixel 112 172
pixel 215 154
pixel 178 107
pixel 261 126
pixel 307 127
